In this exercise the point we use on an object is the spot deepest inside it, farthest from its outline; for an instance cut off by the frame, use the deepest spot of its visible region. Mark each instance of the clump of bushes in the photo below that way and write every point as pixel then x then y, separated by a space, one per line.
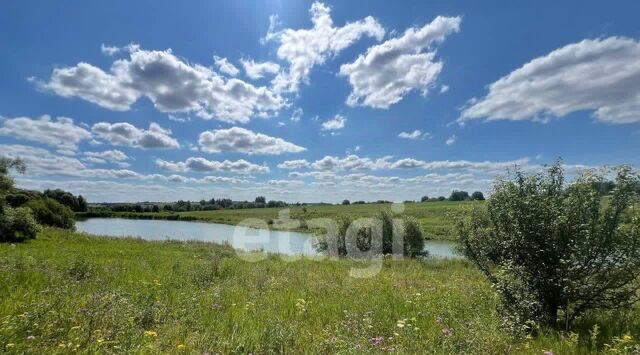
pixel 16 224
pixel 554 251
pixel 49 212
pixel 399 236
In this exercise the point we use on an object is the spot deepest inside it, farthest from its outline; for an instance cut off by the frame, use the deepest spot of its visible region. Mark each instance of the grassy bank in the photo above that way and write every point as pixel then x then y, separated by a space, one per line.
pixel 436 218
pixel 69 292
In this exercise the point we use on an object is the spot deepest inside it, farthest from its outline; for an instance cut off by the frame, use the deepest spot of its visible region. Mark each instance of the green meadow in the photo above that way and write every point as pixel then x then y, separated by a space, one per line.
pixel 436 218
pixel 65 292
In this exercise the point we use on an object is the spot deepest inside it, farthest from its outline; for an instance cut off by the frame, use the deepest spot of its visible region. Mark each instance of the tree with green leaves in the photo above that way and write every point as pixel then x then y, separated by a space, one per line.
pixel 555 251
pixel 16 224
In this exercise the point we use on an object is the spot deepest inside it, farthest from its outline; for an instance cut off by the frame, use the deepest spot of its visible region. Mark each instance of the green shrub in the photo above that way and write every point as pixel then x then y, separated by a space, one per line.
pixel 51 213
pixel 17 224
pixel 412 237
pixel 554 252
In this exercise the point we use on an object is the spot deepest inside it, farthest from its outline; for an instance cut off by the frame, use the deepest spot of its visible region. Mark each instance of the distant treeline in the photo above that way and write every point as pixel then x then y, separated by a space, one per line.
pixel 187 206
pixel 103 209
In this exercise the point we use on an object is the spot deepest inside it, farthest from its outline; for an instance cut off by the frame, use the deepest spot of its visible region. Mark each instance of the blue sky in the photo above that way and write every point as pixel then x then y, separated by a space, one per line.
pixel 304 101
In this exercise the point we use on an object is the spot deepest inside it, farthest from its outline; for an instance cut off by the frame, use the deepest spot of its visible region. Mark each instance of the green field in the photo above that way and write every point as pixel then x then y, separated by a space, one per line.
pixel 436 218
pixel 66 292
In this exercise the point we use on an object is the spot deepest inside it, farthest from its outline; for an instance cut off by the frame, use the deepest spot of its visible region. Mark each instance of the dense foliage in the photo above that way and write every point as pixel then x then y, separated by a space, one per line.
pixel 50 212
pixel 555 252
pixel 399 236
pixel 76 204
pixel 477 196
pixel 16 224
pixel 459 196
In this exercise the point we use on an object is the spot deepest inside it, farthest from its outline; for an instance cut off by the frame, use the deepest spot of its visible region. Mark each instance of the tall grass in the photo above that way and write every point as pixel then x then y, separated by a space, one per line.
pixel 66 292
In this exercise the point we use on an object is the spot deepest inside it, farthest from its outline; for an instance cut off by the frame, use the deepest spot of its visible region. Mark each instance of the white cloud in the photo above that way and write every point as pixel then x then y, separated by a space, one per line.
pixel 236 139
pixel 451 140
pixel 125 134
pixel 305 48
pixel 285 183
pixel 42 162
pixel 336 123
pixel 109 50
pixel 294 164
pixel 601 75
pixel 255 70
pixel 417 134
pixel 350 162
pixel 60 133
pixel 171 84
pixel 390 70
pixel 203 165
pixel 297 115
pixel 113 156
pixel 225 66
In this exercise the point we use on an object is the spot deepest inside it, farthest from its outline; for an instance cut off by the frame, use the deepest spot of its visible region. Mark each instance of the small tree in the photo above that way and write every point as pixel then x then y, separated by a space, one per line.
pixel 16 224
pixel 554 252
pixel 424 199
pixel 261 200
pixel 50 212
pixel 477 196
pixel 346 202
pixel 82 204
pixel 408 232
pixel 459 196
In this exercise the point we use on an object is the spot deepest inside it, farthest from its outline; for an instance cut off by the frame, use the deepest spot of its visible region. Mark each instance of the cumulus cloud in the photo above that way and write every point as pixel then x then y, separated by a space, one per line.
pixel 294 164
pixel 350 162
pixel 388 71
pixel 417 134
pixel 109 50
pixel 285 183
pixel 236 139
pixel 204 180
pixel 113 156
pixel 125 134
pixel 303 49
pixel 601 75
pixel 255 70
pixel 42 162
pixel 203 165
pixel 336 123
pixel 172 84
pixel 60 133
pixel 225 66
pixel 353 162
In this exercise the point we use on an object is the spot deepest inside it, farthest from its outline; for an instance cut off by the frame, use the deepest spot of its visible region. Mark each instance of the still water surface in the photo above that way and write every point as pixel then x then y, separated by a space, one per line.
pixel 242 238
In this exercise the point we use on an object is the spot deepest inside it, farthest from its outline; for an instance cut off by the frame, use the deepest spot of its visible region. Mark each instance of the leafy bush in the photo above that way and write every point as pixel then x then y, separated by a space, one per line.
pixel 51 213
pixel 17 224
pixel 477 196
pixel 459 196
pixel 361 237
pixel 413 238
pixel 554 252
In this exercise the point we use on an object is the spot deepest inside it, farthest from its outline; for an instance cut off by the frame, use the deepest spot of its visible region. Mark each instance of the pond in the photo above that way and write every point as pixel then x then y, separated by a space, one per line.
pixel 241 238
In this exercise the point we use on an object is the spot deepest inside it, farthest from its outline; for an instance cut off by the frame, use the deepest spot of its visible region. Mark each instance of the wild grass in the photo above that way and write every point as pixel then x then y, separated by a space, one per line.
pixel 66 292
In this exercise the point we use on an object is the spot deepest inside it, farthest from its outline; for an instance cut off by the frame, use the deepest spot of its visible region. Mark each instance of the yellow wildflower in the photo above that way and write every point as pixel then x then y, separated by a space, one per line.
pixel 150 333
pixel 181 346
pixel 627 337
